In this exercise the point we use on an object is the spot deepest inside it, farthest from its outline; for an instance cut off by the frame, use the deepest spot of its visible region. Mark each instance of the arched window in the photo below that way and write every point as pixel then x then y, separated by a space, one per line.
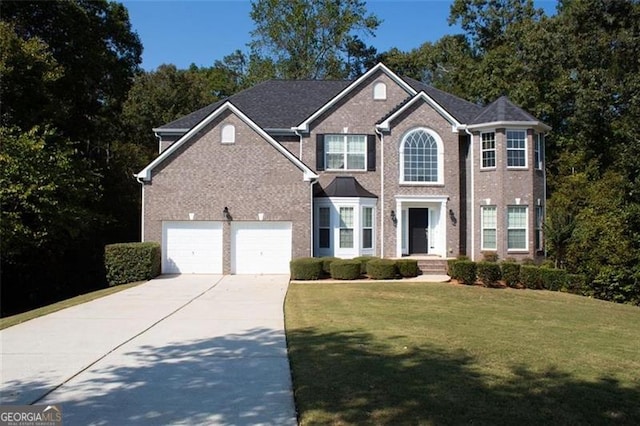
pixel 379 91
pixel 228 133
pixel 421 156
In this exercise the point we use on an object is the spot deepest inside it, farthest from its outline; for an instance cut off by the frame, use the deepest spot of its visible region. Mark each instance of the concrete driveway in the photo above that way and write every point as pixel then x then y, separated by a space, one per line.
pixel 189 349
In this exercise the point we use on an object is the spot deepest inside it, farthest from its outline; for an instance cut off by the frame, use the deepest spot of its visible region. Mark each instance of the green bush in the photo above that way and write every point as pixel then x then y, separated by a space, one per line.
pixel 617 284
pixel 510 273
pixel 363 262
pixel 130 262
pixel 466 271
pixel 553 279
pixel 345 269
pixel 451 268
pixel 408 268
pixel 382 269
pixel 490 256
pixel 489 273
pixel 530 276
pixel 576 283
pixel 306 268
pixel 326 264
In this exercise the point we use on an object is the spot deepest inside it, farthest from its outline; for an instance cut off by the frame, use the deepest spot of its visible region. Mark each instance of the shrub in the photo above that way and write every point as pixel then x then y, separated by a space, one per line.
pixel 382 269
pixel 466 271
pixel 326 264
pixel 129 262
pixel 345 269
pixel 407 268
pixel 510 273
pixel 363 262
pixel 528 261
pixel 548 263
pixel 489 273
pixel 617 284
pixel 530 276
pixel 490 256
pixel 553 279
pixel 576 283
pixel 451 268
pixel 306 268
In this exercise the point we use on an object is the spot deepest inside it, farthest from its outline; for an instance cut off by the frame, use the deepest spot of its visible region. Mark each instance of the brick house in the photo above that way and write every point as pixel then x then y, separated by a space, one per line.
pixel 382 165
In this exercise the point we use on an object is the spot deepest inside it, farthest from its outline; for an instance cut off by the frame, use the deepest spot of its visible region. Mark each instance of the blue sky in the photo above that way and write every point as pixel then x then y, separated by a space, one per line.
pixel 200 31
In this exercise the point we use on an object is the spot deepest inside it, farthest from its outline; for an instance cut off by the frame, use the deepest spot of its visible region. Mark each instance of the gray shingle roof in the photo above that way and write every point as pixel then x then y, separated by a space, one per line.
pixel 463 111
pixel 502 109
pixel 273 104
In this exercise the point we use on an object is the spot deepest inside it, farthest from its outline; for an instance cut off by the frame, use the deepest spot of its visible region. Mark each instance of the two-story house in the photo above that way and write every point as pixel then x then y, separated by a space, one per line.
pixel 382 165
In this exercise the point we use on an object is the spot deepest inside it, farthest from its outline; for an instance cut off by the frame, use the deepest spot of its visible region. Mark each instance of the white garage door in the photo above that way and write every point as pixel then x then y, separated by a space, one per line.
pixel 260 247
pixel 192 247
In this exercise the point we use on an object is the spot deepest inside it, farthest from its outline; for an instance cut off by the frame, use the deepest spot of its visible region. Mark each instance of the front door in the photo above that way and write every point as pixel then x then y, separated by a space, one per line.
pixel 418 231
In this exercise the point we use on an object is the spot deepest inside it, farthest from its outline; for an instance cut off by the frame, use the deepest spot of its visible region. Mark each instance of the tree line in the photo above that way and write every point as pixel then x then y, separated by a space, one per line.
pixel 77 112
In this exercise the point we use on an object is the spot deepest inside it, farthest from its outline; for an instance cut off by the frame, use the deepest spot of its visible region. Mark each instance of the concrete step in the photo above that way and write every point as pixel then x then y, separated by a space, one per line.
pixel 433 266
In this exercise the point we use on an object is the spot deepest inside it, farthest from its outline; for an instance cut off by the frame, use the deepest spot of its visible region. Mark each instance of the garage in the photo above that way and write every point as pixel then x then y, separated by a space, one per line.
pixel 191 247
pixel 260 247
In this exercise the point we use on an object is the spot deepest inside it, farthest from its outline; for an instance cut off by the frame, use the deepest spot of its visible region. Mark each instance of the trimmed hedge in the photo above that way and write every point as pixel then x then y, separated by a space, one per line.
pixel 530 276
pixel 490 256
pixel 130 262
pixel 553 279
pixel 489 272
pixel 465 271
pixel 382 269
pixel 345 269
pixel 306 268
pixel 363 262
pixel 326 264
pixel 407 268
pixel 510 273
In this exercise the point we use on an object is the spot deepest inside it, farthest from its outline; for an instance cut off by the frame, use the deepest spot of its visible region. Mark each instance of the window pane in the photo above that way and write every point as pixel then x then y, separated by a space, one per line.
pixel 517 217
pixel 346 238
pixel 333 143
pixel 346 217
pixel 324 220
pixel 356 144
pixel 335 161
pixel 420 157
pixel 516 148
pixel 367 217
pixel 517 239
pixel 367 238
pixel 489 219
pixel 324 238
pixel 489 239
pixel 517 227
pixel 355 161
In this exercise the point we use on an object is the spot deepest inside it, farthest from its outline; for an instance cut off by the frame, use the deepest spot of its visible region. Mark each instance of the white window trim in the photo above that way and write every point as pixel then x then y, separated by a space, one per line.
pixel 507 149
pixel 538 148
pixel 482 151
pixel 228 134
pixel 345 153
pixel 334 204
pixel 483 227
pixel 440 148
pixel 372 227
pixel 526 230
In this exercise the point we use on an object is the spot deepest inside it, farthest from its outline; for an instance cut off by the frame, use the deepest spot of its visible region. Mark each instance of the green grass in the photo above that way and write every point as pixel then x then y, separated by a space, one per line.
pixel 411 353
pixel 83 298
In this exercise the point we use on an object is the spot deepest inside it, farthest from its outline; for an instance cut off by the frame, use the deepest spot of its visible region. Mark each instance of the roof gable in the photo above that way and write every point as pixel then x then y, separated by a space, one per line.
pixel 385 123
pixel 145 174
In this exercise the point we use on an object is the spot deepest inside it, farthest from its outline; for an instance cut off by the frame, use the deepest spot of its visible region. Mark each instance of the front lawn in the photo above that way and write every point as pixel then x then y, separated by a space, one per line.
pixel 411 353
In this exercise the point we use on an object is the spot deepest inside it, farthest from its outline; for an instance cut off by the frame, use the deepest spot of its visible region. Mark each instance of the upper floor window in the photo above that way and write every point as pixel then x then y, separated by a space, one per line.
pixel 488 150
pixel 516 148
pixel 421 157
pixel 379 91
pixel 228 133
pixel 345 152
pixel 538 151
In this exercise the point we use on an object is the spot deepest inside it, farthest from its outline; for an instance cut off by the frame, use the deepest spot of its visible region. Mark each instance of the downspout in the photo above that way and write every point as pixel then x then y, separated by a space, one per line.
pixel 297 132
pixel 473 197
pixel 381 191
pixel 142 209
pixel 313 182
pixel 543 148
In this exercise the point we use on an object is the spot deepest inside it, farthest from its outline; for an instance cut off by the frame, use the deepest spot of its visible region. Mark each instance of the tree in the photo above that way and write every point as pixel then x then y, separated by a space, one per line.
pixel 312 39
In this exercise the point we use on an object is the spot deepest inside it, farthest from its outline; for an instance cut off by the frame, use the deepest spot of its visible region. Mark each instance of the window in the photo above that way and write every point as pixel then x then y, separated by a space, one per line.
pixel 324 227
pixel 367 227
pixel 420 155
pixel 538 152
pixel 346 227
pixel 488 150
pixel 539 226
pixel 228 133
pixel 345 152
pixel 379 91
pixel 489 227
pixel 516 228
pixel 516 148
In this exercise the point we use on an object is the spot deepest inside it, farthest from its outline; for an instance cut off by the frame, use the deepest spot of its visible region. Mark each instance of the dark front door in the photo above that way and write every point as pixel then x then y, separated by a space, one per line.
pixel 418 231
